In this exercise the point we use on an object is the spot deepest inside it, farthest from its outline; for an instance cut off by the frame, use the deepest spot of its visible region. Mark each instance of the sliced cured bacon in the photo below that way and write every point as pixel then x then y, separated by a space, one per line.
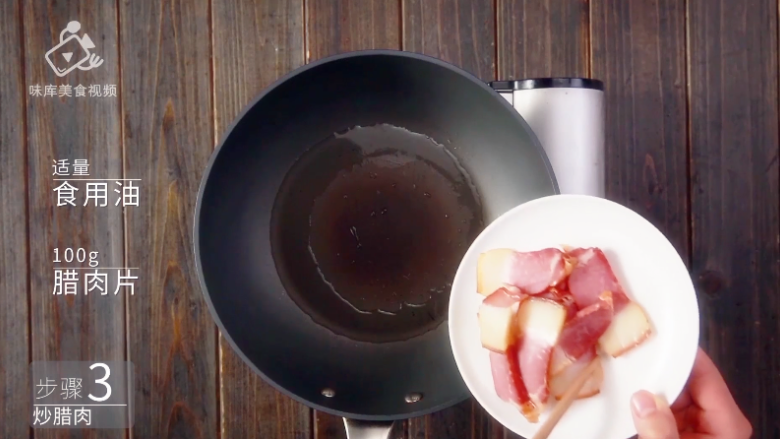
pixel 591 276
pixel 561 382
pixel 508 382
pixel 540 322
pixel 546 316
pixel 581 334
pixel 630 327
pixel 533 272
pixel 497 325
pixel 505 384
pixel 563 297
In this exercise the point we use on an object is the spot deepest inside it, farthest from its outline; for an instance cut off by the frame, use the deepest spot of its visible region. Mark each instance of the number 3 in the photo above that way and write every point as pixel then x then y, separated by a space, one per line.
pixel 101 381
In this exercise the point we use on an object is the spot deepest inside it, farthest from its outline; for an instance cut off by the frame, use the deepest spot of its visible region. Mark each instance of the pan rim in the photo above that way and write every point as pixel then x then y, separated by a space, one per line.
pixel 218 150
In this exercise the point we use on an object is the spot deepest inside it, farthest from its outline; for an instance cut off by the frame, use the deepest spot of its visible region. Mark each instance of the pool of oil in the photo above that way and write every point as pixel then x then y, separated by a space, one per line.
pixel 385 216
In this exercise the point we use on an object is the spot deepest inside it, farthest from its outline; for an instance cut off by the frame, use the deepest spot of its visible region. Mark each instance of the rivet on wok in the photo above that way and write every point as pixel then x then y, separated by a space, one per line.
pixel 328 393
pixel 413 397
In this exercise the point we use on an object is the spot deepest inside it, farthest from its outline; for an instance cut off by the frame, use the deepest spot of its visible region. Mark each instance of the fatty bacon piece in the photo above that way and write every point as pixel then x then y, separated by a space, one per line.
pixel 561 382
pixel 630 328
pixel 532 272
pixel 540 322
pixel 593 275
pixel 497 322
pixel 581 334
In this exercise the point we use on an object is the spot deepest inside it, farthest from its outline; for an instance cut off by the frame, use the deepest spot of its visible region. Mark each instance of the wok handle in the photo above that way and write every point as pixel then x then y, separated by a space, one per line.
pixel 367 429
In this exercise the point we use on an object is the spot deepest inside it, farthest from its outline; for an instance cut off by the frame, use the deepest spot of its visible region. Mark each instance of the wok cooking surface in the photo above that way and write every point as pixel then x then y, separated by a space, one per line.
pixel 369 228
pixel 275 238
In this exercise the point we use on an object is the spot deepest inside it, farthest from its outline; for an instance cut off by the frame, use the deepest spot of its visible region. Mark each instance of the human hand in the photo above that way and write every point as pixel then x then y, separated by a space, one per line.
pixel 704 410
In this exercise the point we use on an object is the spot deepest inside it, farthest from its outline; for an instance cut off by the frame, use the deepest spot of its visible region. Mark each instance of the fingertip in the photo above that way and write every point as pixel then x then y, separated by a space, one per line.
pixel 643 404
pixel 653 418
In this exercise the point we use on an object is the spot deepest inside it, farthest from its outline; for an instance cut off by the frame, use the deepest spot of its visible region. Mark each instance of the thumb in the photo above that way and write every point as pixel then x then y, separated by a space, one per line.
pixel 652 417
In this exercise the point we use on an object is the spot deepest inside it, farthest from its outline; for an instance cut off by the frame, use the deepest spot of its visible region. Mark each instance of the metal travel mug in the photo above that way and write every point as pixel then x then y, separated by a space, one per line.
pixel 567 115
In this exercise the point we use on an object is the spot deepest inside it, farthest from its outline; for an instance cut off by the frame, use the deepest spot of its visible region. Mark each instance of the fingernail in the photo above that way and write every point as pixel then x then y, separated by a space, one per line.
pixel 643 403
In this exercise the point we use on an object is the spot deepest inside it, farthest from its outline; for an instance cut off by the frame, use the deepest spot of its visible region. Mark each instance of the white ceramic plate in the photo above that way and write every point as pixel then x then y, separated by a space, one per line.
pixel 650 270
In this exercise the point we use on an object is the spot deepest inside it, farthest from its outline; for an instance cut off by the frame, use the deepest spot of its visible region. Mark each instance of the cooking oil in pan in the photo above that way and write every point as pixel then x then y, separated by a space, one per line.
pixel 388 216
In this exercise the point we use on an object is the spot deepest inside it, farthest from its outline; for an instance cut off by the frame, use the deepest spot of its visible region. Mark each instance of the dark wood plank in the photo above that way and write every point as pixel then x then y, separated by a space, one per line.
pixel 542 38
pixel 639 53
pixel 332 27
pixel 335 26
pixel 485 427
pixel 253 409
pixel 254 43
pixel 734 161
pixel 167 140
pixel 454 422
pixel 461 32
pixel 14 287
pixel 73 327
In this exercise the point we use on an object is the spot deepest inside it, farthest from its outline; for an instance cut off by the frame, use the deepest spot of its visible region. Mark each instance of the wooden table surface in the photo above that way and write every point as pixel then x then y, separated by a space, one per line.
pixel 692 144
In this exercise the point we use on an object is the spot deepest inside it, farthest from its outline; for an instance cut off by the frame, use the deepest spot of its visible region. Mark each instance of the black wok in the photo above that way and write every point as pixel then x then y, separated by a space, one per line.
pixel 326 259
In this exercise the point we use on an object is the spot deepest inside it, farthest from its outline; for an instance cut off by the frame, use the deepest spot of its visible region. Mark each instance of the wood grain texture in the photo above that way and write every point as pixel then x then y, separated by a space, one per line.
pixel 461 32
pixel 639 53
pixel 73 327
pixel 336 26
pixel 167 140
pixel 254 44
pixel 735 200
pixel 485 427
pixel 542 38
pixel 453 423
pixel 15 398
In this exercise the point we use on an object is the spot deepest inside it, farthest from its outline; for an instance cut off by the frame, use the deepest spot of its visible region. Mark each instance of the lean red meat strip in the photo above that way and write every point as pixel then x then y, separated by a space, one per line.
pixel 508 382
pixel 581 334
pixel 591 276
pixel 534 272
